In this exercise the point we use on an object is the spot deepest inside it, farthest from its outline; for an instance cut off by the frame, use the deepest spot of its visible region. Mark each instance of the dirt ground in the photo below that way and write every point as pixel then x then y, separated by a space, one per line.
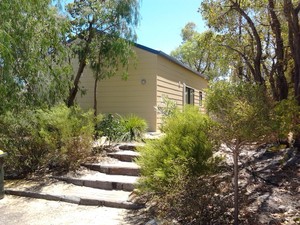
pixel 26 211
pixel 270 180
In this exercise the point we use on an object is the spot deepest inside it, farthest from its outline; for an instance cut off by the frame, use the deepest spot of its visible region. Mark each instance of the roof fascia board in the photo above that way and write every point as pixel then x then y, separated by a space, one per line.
pixel 172 59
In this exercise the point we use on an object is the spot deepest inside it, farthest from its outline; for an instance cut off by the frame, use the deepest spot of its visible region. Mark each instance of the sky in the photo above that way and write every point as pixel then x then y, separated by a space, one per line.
pixel 162 21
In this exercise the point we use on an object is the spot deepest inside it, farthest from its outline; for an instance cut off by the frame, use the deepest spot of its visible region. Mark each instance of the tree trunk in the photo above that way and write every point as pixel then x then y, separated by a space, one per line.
pixel 258 55
pixel 95 97
pixel 82 64
pixel 281 82
pixel 74 89
pixel 236 183
pixel 291 14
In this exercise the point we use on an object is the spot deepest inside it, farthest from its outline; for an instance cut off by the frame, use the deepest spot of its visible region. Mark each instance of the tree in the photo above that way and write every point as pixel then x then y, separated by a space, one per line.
pixel 33 56
pixel 240 30
pixel 242 112
pixel 291 12
pixel 94 24
pixel 265 35
pixel 201 52
pixel 111 54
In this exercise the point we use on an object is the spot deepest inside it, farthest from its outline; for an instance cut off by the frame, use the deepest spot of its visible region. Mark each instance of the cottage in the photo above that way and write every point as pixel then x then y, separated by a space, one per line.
pixel 155 75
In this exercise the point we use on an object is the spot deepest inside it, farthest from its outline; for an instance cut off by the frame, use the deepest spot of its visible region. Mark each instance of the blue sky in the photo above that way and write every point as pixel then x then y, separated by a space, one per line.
pixel 162 21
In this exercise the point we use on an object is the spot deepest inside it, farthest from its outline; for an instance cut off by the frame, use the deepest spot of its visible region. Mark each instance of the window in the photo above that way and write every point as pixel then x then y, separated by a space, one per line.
pixel 200 98
pixel 189 96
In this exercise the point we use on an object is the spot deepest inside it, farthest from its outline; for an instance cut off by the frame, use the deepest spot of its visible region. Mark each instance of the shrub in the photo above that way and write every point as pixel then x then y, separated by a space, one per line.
pixel 68 134
pixel 186 146
pixel 59 137
pixel 285 118
pixel 118 128
pixel 18 140
pixel 166 109
pixel 197 200
pixel 134 128
pixel 111 127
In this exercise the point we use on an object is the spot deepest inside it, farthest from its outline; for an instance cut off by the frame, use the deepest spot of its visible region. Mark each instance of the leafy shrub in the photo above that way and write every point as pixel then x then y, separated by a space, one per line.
pixel 134 128
pixel 118 128
pixel 197 200
pixel 59 137
pixel 68 134
pixel 166 109
pixel 241 109
pixel 286 118
pixel 17 138
pixel 111 127
pixel 186 146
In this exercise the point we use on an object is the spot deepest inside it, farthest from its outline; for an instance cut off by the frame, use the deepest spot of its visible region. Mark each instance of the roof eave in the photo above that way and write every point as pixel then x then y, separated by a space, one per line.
pixel 172 59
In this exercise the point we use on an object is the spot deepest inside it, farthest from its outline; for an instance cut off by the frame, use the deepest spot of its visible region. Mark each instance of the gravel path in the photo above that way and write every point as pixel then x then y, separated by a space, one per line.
pixel 25 211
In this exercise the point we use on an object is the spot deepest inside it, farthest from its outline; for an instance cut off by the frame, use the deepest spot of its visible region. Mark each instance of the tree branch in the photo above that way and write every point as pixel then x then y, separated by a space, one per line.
pixel 242 55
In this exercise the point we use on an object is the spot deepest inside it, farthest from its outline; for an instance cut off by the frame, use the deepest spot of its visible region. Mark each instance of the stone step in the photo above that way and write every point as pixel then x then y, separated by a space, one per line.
pixel 115 168
pixel 101 180
pixel 61 191
pixel 125 156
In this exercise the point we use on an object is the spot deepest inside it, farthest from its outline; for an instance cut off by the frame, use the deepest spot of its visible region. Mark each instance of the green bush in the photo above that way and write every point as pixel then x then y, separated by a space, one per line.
pixel 197 200
pixel 285 118
pixel 185 148
pixel 18 139
pixel 118 128
pixel 134 128
pixel 111 127
pixel 60 137
pixel 68 134
pixel 166 109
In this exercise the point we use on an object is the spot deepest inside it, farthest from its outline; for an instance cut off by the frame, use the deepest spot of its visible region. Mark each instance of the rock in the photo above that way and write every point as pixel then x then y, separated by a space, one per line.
pixel 282 208
pixel 152 222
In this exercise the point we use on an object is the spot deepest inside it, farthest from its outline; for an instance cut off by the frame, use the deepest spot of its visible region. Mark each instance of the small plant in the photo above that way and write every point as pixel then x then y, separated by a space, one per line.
pixel 242 111
pixel 134 128
pixel 112 127
pixel 118 128
pixel 58 137
pixel 285 119
pixel 186 146
pixel 17 137
pixel 68 134
pixel 197 200
pixel 166 108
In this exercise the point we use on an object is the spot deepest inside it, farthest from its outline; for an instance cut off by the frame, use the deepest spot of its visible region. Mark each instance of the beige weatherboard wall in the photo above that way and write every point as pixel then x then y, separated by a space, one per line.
pixel 152 76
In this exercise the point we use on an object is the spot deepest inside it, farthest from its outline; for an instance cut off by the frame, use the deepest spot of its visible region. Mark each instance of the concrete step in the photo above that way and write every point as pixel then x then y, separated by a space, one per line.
pixel 61 191
pixel 125 156
pixel 101 181
pixel 115 168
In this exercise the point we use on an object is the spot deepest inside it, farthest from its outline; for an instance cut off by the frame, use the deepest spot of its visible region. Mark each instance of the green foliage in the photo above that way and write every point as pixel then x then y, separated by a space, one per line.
pixel 111 127
pixel 166 109
pixel 285 118
pixel 186 146
pixel 59 138
pixel 134 128
pixel 68 134
pixel 34 69
pixel 262 54
pixel 17 138
pixel 197 200
pixel 118 128
pixel 246 113
pixel 104 32
pixel 241 110
pixel 202 52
